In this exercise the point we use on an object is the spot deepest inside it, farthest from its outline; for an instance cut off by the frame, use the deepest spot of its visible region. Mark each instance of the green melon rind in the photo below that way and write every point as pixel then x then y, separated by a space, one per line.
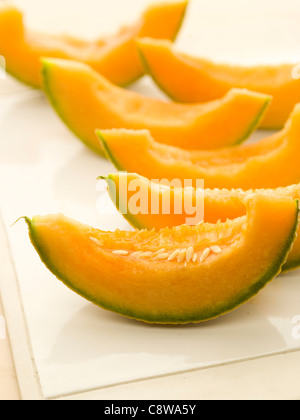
pixel 148 70
pixel 46 82
pixel 291 264
pixel 249 130
pixel 42 252
pixel 108 153
pixel 128 216
pixel 256 123
pixel 167 318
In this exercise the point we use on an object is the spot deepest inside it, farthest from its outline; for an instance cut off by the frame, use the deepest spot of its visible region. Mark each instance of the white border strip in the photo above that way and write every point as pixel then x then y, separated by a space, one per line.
pixel 17 328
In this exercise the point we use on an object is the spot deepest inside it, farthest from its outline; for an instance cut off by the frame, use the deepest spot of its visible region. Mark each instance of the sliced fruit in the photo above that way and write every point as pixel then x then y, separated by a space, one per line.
pixel 172 276
pixel 188 79
pixel 186 205
pixel 269 163
pixel 116 56
pixel 86 101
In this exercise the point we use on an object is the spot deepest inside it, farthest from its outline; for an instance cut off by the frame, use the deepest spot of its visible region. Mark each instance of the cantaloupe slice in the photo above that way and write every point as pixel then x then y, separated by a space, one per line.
pixel 151 205
pixel 269 163
pixel 87 101
pixel 116 56
pixel 188 79
pixel 173 276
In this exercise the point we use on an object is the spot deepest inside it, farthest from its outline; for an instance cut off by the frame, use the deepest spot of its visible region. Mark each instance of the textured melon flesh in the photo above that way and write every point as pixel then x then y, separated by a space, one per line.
pixel 271 163
pixel 170 291
pixel 116 57
pixel 86 101
pixel 217 205
pixel 188 79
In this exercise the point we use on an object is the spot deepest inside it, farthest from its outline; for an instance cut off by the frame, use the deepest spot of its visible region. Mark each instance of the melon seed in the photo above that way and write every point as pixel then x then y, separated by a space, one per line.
pixel 161 251
pixel 96 241
pixel 136 254
pixel 190 253
pixel 173 255
pixel 205 254
pixel 147 254
pixel 216 249
pixel 161 257
pixel 122 253
pixel 181 255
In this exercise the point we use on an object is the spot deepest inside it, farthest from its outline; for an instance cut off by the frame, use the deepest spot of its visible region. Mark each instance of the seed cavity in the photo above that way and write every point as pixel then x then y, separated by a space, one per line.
pixel 182 255
pixel 122 253
pixel 205 254
pixel 216 249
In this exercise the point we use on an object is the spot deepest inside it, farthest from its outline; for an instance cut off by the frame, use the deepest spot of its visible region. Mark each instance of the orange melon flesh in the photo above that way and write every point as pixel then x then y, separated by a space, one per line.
pixel 86 101
pixel 217 205
pixel 270 163
pixel 161 291
pixel 116 57
pixel 189 79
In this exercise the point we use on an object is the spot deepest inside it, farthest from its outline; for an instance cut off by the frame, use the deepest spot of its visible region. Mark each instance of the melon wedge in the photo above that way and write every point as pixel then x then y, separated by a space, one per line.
pixel 188 79
pixel 269 163
pixel 171 276
pixel 85 101
pixel 116 56
pixel 196 205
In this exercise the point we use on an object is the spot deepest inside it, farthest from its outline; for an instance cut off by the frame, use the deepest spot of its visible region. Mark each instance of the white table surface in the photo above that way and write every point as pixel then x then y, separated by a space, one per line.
pixel 251 353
